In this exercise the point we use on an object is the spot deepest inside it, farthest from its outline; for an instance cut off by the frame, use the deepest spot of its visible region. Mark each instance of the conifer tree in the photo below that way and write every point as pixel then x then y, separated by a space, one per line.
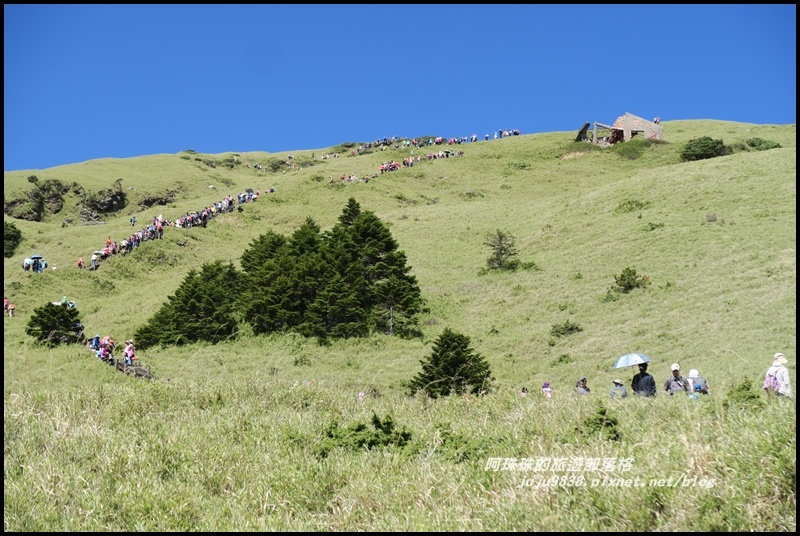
pixel 203 308
pixel 392 295
pixel 54 324
pixel 504 252
pixel 350 212
pixel 335 313
pixel 346 282
pixel 265 248
pixel 308 272
pixel 452 368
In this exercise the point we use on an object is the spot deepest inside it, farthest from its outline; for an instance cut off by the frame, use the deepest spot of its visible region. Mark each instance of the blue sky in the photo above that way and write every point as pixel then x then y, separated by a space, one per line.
pixel 84 82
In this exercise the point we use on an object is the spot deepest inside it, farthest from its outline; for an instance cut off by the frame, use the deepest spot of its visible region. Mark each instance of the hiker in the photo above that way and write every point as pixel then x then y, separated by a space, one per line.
pixel 643 384
pixel 698 384
pixel 547 391
pixel 80 263
pixel 11 309
pixel 524 392
pixel 104 353
pixel 781 385
pixel 581 388
pixel 618 389
pixel 676 383
pixel 129 354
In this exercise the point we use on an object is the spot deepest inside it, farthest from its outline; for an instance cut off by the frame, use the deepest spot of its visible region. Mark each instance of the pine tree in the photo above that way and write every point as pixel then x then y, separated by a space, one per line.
pixel 347 282
pixel 203 308
pixel 397 304
pixel 392 295
pixel 335 313
pixel 453 367
pixel 54 324
pixel 265 248
pixel 308 272
pixel 350 212
pixel 504 252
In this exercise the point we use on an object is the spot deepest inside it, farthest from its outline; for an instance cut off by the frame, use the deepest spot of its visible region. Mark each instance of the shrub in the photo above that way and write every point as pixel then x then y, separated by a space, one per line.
pixel 458 448
pixel 359 437
pixel 563 359
pixel 630 205
pixel 704 148
pixel 11 238
pixel 743 394
pixel 762 145
pixel 629 280
pixel 564 329
pixel 601 424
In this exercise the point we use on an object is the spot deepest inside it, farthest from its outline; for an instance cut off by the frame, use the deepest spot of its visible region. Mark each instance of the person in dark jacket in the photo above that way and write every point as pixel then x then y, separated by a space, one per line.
pixel 643 384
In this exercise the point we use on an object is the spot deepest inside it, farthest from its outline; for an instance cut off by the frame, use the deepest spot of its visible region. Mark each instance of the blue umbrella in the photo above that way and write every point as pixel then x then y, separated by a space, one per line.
pixel 628 360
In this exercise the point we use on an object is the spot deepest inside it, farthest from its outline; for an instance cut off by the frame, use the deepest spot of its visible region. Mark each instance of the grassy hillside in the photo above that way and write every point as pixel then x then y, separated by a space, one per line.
pixel 225 438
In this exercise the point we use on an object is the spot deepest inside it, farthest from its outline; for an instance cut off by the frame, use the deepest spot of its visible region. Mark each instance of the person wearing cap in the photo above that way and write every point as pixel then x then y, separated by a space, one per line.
pixel 698 383
pixel 581 388
pixel 779 370
pixel 676 383
pixel 547 391
pixel 129 354
pixel 618 389
pixel 643 384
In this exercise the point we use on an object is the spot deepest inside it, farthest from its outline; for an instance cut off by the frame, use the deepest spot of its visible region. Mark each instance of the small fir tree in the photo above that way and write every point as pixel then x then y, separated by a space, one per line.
pixel 453 367
pixel 55 324
pixel 504 252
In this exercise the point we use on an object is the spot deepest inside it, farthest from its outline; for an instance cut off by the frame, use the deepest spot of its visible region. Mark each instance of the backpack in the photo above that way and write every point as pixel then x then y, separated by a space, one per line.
pixel 699 385
pixel 771 383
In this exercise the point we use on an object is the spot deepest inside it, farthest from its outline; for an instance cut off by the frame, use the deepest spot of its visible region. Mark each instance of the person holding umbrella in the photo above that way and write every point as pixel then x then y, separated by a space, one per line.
pixel 643 384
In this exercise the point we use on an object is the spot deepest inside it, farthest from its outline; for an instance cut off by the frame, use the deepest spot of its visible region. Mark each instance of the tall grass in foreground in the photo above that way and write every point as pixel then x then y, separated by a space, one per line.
pixel 255 454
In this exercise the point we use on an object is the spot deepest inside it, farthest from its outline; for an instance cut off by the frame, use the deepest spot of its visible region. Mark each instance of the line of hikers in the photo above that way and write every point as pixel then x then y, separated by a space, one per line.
pixel 104 350
pixel 643 384
pixel 776 383
pixel 155 229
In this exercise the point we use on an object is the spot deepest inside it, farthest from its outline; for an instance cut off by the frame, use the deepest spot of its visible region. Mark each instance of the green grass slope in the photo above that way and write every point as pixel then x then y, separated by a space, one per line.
pixel 224 439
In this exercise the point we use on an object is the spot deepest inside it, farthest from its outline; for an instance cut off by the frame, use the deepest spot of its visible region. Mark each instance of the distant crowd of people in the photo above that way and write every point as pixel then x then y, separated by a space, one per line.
pixel 104 347
pixel 154 230
pixel 776 382
pixel 413 144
